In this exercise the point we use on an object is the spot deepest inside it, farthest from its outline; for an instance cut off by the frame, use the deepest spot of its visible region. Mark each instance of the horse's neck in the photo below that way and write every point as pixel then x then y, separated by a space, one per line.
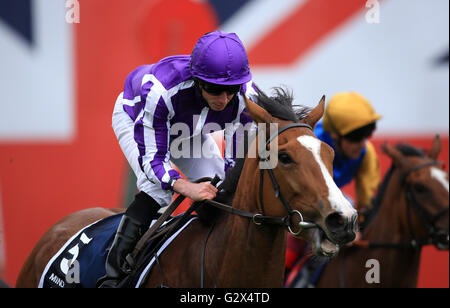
pixel 256 253
pixel 389 227
pixel 389 224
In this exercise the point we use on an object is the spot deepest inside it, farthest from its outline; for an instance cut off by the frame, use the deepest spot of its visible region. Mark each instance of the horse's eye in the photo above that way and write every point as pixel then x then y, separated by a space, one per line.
pixel 420 188
pixel 284 158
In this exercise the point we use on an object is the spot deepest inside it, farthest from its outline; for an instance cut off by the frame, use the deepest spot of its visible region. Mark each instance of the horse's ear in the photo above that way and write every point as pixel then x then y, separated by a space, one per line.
pixel 395 155
pixel 435 148
pixel 316 114
pixel 258 114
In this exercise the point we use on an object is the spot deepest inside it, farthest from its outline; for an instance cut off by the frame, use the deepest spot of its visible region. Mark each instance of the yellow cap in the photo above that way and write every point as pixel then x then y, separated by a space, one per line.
pixel 347 112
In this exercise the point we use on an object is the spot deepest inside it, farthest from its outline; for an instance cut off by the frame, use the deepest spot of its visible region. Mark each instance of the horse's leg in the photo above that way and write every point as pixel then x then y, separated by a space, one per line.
pixel 53 240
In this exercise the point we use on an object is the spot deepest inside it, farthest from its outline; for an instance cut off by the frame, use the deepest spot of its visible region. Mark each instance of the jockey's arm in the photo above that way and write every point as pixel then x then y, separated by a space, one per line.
pixel 367 178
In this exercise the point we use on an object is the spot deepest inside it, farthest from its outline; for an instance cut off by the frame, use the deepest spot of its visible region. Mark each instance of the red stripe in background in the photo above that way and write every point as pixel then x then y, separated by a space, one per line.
pixel 302 30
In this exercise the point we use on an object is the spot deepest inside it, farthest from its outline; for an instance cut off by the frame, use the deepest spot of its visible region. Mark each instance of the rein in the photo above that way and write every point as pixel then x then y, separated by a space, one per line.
pixel 257 218
pixel 261 218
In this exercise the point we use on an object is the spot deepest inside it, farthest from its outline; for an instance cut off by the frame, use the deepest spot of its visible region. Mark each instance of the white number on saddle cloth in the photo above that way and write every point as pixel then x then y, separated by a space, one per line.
pixel 74 251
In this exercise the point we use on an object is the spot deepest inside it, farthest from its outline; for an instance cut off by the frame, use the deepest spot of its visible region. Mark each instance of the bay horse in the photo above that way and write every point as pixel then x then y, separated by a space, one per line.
pixel 241 251
pixel 413 211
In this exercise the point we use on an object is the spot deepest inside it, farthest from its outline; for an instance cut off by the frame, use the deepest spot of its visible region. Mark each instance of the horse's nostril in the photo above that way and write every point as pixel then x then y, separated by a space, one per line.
pixel 335 222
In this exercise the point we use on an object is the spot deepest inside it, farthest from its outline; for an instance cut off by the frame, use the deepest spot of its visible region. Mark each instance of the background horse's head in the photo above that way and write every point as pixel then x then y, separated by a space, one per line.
pixel 304 174
pixel 426 186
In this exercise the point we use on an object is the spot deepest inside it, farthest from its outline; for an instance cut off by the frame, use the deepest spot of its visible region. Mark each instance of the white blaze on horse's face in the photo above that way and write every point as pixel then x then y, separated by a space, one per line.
pixel 337 200
pixel 440 176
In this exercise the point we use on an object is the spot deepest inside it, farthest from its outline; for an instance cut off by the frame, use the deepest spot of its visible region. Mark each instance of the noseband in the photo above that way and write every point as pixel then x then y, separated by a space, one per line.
pixel 261 218
pixel 438 237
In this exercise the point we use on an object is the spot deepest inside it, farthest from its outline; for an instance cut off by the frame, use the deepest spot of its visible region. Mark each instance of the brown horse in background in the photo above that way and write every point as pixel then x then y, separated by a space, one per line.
pixel 237 251
pixel 413 211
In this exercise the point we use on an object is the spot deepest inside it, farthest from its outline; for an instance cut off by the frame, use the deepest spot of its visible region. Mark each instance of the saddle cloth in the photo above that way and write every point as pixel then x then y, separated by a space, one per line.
pixel 81 260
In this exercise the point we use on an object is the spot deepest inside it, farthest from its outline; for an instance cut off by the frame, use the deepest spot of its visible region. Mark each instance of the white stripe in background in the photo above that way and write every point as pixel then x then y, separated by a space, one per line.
pixel 269 14
pixel 49 62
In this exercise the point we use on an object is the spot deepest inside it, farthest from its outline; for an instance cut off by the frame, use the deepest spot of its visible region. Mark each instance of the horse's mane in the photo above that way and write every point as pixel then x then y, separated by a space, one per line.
pixel 279 105
pixel 406 150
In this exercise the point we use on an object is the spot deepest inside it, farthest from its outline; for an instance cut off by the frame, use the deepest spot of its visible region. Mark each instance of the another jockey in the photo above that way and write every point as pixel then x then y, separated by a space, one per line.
pixel 348 122
pixel 158 101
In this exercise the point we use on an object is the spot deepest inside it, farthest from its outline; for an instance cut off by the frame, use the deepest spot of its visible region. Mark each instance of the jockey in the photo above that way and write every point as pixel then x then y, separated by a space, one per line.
pixel 348 123
pixel 158 101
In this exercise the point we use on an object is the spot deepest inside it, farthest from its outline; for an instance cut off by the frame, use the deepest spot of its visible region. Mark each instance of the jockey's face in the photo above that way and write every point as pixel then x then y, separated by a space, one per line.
pixel 352 149
pixel 349 148
pixel 218 96
pixel 217 102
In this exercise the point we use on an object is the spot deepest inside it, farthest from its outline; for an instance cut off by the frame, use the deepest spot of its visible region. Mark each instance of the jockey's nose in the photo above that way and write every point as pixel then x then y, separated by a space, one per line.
pixel 342 228
pixel 223 97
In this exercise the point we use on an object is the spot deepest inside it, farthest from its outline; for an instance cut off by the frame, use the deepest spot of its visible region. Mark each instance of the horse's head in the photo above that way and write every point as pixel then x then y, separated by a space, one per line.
pixel 426 185
pixel 303 171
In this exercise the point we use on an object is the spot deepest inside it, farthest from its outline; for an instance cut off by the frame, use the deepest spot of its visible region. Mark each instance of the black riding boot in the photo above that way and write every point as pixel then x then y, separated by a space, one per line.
pixel 117 267
pixel 134 223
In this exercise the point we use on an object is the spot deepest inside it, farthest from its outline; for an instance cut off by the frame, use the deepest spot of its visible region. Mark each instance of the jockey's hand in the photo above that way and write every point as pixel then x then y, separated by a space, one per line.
pixel 195 191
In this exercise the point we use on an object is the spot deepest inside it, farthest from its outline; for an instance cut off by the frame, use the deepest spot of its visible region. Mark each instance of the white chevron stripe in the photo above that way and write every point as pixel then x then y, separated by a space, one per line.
pixel 257 18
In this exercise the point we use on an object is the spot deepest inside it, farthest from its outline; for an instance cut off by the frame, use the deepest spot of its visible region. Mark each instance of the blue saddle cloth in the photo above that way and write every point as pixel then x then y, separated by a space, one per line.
pixel 81 261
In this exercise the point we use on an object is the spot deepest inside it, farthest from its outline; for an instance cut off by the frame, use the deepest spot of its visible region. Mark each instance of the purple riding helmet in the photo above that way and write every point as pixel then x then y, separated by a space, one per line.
pixel 220 58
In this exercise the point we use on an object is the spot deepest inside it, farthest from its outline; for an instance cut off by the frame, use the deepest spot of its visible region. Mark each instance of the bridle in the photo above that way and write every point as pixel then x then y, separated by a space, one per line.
pixel 258 218
pixel 302 224
pixel 261 218
pixel 438 237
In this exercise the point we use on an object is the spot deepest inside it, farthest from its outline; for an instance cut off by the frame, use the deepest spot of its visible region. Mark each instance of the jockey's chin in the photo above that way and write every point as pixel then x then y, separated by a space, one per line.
pixel 352 149
pixel 217 107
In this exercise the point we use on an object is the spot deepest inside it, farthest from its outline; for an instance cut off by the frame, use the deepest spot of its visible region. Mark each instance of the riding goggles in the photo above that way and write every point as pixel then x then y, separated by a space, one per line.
pixel 362 133
pixel 217 89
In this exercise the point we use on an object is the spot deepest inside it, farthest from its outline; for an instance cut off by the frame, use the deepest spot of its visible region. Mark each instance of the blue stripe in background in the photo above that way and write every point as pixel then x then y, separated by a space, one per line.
pixel 17 14
pixel 226 8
